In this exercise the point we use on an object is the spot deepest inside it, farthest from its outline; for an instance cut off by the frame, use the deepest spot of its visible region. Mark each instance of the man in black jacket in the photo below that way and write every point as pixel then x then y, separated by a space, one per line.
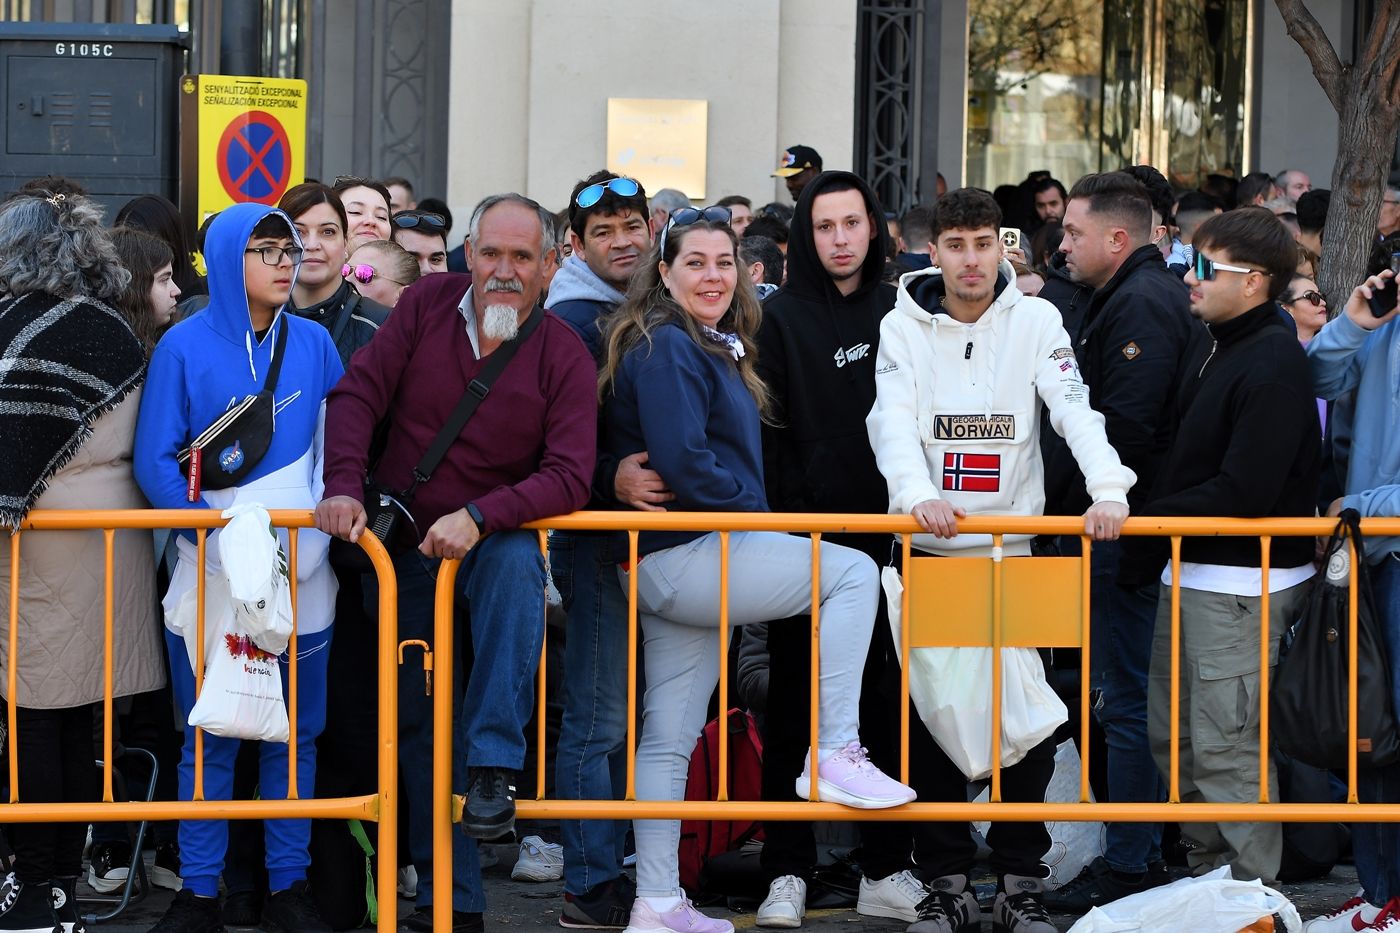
pixel 1129 349
pixel 817 348
pixel 1246 447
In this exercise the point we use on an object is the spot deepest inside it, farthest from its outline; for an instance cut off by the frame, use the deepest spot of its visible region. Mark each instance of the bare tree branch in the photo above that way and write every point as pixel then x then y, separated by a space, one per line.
pixel 1304 28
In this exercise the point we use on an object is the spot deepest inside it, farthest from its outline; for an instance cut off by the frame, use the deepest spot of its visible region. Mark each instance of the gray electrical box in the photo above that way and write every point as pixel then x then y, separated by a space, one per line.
pixel 98 102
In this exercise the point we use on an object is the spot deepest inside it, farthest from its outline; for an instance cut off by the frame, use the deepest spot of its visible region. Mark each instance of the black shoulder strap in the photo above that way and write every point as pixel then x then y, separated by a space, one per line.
pixel 278 351
pixel 476 393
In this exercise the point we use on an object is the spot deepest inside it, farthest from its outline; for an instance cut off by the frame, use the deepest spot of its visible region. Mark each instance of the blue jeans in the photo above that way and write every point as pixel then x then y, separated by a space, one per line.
pixel 591 761
pixel 203 843
pixel 1376 846
pixel 1122 619
pixel 500 602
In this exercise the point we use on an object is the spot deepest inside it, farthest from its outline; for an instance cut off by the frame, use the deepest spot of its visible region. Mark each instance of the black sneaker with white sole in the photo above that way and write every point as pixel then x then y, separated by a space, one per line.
pixel 1099 884
pixel 65 904
pixel 949 908
pixel 109 866
pixel 32 911
pixel 606 906
pixel 1018 907
pixel 490 809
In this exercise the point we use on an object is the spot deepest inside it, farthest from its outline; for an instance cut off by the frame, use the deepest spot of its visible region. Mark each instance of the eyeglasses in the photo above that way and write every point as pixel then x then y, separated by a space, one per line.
pixel 1309 296
pixel 407 220
pixel 272 255
pixel 689 216
pixel 364 273
pixel 623 187
pixel 1206 268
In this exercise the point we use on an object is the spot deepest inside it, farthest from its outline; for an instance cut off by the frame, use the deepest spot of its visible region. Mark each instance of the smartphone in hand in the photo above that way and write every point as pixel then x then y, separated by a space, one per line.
pixel 1383 300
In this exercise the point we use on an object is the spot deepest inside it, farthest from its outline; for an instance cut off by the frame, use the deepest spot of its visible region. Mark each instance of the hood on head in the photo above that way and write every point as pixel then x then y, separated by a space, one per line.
pixel 224 243
pixel 805 273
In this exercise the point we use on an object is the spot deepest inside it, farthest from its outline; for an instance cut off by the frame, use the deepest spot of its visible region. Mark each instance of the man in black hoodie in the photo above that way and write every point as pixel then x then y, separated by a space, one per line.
pixel 1129 349
pixel 817 347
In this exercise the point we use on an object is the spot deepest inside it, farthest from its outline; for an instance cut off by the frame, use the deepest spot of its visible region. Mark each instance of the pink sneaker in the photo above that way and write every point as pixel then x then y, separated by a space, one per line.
pixel 683 918
pixel 849 778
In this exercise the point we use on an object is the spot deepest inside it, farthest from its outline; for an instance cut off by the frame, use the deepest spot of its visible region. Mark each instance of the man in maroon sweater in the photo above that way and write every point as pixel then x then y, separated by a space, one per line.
pixel 527 453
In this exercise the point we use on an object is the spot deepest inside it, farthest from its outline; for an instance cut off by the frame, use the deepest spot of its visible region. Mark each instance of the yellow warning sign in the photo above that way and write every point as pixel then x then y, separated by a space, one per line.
pixel 242 139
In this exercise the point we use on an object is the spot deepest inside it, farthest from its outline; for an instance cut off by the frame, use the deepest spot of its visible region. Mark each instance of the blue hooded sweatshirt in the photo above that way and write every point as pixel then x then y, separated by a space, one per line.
pixel 210 362
pixel 1346 357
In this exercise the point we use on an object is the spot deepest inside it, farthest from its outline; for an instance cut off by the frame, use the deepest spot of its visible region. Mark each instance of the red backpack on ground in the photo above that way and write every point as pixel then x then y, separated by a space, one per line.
pixel 702 840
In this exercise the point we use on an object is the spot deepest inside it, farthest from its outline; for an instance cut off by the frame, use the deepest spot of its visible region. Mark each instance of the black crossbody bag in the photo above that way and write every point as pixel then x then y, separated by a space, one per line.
pixel 238 439
pixel 387 510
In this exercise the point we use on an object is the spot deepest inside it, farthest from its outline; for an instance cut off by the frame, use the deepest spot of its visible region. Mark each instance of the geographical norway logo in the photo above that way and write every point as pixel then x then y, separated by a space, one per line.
pixel 972 472
pixel 974 427
pixel 231 457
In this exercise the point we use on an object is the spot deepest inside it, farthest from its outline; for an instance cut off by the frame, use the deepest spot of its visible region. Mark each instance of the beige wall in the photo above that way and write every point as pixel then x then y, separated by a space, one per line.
pixel 1298 127
pixel 531 81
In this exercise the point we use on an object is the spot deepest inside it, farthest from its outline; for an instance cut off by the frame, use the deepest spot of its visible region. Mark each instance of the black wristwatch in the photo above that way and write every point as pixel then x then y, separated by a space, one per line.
pixel 475 514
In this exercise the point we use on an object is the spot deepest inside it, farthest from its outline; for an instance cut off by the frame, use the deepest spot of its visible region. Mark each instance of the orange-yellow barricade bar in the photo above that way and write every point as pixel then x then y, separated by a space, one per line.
pixel 380 807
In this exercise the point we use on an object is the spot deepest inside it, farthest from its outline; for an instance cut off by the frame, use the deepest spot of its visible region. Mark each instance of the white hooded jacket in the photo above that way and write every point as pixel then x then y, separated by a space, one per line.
pixel 957 410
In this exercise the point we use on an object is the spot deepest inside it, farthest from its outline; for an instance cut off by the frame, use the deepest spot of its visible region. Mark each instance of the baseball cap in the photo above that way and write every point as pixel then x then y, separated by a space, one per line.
pixel 797 159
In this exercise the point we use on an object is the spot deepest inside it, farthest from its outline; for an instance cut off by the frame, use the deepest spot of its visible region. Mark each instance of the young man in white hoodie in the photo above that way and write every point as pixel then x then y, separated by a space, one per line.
pixel 965 363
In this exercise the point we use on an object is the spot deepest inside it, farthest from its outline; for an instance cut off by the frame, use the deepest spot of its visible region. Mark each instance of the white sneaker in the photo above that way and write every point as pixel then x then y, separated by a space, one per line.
pixel 1354 915
pixel 538 861
pixel 897 896
pixel 408 882
pixel 785 904
pixel 849 777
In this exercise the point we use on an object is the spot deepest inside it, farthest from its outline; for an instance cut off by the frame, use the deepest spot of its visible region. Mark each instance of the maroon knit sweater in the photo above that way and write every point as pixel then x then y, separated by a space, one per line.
pixel 527 453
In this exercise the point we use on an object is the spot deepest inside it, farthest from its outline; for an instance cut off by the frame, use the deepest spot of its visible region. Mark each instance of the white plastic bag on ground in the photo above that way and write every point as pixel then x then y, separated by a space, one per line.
pixel 952 690
pixel 1212 903
pixel 256 568
pixel 1073 845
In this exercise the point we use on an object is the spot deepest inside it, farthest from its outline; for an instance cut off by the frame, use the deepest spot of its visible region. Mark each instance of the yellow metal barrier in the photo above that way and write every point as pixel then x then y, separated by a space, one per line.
pixel 380 807
pixel 1002 630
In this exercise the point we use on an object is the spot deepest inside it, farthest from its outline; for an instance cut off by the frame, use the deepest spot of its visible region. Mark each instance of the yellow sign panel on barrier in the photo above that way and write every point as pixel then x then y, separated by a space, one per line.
pixel 242 139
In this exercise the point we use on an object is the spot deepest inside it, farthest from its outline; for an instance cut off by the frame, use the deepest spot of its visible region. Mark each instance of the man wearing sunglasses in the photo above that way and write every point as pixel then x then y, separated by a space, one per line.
pixel 1245 446
pixel 610 236
pixel 424 234
pixel 1129 349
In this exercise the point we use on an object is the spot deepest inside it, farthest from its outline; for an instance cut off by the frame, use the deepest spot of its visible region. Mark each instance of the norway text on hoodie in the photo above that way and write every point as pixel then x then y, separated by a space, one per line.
pixel 816 354
pixel 957 409
pixel 210 362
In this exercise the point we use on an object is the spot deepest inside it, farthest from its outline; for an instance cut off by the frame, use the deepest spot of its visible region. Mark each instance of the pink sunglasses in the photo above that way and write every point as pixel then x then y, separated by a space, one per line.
pixel 365 273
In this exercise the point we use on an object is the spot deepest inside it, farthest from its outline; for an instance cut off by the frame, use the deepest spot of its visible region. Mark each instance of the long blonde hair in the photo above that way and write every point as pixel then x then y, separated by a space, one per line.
pixel 649 305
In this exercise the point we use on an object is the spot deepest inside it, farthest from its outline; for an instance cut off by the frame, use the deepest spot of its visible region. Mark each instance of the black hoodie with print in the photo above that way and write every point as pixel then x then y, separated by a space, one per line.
pixel 817 356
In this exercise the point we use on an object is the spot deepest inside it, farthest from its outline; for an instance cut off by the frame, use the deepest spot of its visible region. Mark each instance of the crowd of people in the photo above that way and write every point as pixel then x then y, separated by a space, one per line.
pixel 1110 348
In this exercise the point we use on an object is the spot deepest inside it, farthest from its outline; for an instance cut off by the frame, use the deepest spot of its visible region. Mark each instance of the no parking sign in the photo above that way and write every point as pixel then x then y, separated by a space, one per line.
pixel 242 139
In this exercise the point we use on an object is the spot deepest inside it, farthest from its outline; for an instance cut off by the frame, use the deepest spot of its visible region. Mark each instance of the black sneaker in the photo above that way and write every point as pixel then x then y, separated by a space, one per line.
pixel 165 870
pixel 190 914
pixel 32 911
pixel 243 908
pixel 1096 885
pixel 490 809
pixel 65 904
pixel 949 908
pixel 1018 907
pixel 421 921
pixel 606 906
pixel 293 911
pixel 109 866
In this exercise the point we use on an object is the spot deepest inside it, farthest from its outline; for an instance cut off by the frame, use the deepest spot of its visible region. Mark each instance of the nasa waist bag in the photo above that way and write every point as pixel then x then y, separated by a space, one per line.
pixel 226 452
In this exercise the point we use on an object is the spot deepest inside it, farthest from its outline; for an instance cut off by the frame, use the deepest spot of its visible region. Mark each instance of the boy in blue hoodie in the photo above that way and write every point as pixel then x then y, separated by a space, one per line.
pixel 202 367
pixel 1359 352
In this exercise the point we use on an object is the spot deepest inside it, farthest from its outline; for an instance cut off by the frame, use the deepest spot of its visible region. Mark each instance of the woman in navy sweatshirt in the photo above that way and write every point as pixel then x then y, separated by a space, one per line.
pixel 679 382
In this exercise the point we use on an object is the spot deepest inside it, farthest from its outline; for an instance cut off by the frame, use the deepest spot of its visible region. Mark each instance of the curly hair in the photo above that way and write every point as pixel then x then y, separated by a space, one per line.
pixel 56 244
pixel 649 305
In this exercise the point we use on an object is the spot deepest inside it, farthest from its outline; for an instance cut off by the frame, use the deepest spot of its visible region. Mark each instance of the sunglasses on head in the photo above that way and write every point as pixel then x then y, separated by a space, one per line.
pixel 689 216
pixel 364 273
pixel 1206 268
pixel 407 220
pixel 1309 296
pixel 620 186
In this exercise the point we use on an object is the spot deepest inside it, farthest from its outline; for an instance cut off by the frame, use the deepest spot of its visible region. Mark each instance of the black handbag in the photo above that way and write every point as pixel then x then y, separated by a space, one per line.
pixel 1308 699
pixel 388 511
pixel 225 453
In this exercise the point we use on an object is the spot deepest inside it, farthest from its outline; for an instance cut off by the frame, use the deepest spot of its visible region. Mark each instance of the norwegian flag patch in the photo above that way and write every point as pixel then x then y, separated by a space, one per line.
pixel 972 472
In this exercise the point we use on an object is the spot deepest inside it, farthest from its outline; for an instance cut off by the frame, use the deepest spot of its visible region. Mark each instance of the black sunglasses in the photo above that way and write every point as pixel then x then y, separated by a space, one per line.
pixel 407 220
pixel 689 216
pixel 1315 298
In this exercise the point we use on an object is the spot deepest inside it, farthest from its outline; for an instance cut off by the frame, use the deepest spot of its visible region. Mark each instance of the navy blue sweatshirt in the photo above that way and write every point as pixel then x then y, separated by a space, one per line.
pixel 688 408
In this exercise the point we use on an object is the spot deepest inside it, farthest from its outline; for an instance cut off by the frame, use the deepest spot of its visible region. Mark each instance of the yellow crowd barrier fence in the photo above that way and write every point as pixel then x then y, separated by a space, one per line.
pixel 380 807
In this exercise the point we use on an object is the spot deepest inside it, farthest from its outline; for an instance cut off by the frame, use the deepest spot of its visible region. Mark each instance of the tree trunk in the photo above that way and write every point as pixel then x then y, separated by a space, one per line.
pixel 1365 140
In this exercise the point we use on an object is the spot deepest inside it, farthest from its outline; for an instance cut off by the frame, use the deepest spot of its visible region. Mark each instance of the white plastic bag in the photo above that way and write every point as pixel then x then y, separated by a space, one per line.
pixel 952 690
pixel 242 693
pixel 1073 845
pixel 1212 903
pixel 256 568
